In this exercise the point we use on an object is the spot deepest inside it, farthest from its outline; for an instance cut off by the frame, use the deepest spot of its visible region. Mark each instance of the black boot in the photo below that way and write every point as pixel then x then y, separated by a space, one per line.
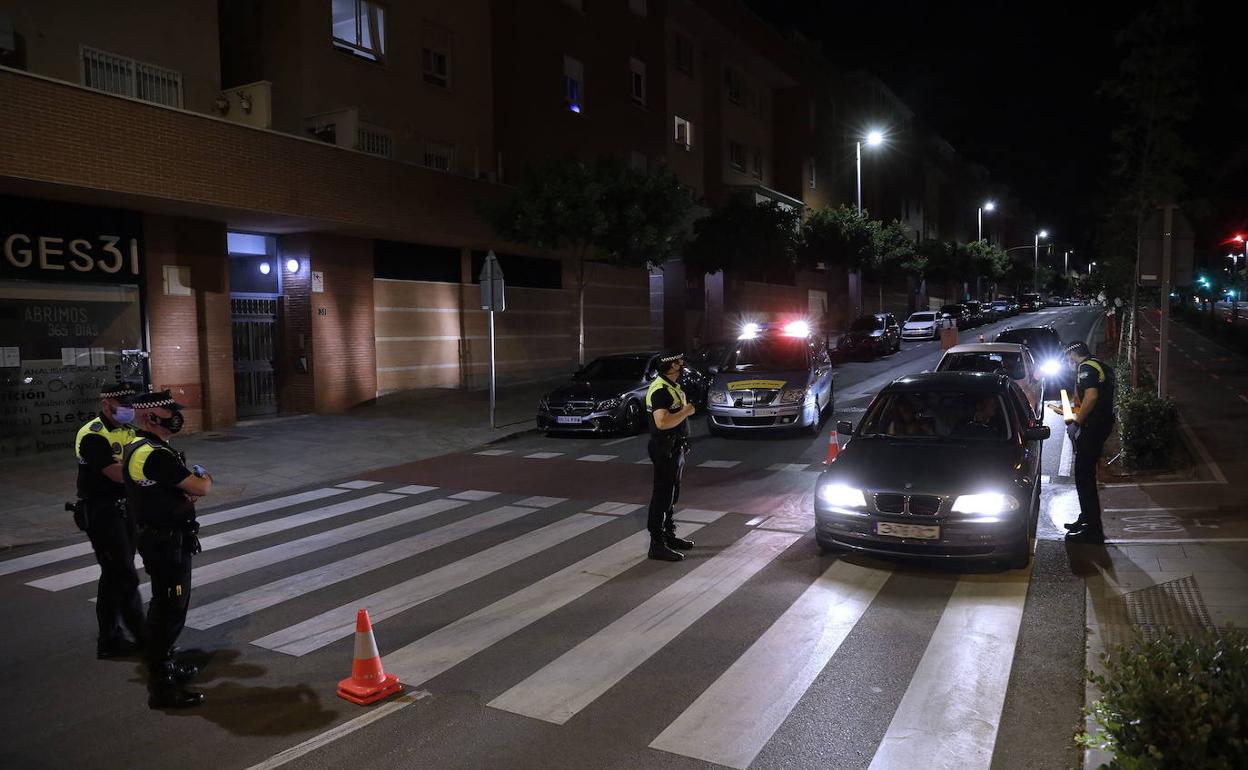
pixel 660 551
pixel 1075 526
pixel 1087 535
pixel 165 691
pixel 676 543
pixel 183 672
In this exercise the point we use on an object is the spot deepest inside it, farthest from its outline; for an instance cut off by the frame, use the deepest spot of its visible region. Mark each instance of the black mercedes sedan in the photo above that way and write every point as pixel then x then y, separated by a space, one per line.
pixel 943 464
pixel 607 395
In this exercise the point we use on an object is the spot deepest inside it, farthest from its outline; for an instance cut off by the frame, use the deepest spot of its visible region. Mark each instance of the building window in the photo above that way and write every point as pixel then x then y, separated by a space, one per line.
pixel 734 83
pixel 682 55
pixel 435 56
pixel 637 161
pixel 638 7
pixel 123 76
pixel 637 80
pixel 439 156
pixel 758 164
pixel 684 133
pixel 573 84
pixel 374 141
pixel 736 156
pixel 811 178
pixel 359 27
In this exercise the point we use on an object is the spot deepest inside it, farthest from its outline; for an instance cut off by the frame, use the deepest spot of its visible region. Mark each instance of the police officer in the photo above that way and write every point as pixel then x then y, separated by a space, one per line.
pixel 1094 421
pixel 101 513
pixel 162 492
pixel 669 440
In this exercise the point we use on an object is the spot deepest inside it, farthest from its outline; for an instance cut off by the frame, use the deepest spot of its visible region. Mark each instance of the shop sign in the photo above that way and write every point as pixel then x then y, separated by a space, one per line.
pixel 47 241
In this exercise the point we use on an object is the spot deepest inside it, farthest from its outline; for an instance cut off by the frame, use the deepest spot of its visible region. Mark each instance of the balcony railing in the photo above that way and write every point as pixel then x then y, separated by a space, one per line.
pixel 124 76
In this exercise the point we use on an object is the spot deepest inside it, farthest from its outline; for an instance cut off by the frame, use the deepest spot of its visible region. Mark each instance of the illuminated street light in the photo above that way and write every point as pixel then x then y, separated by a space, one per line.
pixel 988 206
pixel 1035 269
pixel 874 139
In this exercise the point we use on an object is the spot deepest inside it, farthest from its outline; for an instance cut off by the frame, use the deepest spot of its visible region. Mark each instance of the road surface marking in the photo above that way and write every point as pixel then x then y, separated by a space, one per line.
pixel 697 515
pixel 451 645
pixel 726 728
pixel 571 682
pixel 643 461
pixel 1158 508
pixel 358 484
pixel 339 623
pixel 539 501
pixel 795 524
pixel 618 441
pixel 227 568
pixel 754 522
pixel 616 509
pixel 1202 451
pixel 341 731
pixel 789 467
pixel 719 464
pixel 950 712
pixel 494 452
pixel 63 580
pixel 597 458
pixel 413 489
pixel 473 494
pixel 543 455
pixel 291 586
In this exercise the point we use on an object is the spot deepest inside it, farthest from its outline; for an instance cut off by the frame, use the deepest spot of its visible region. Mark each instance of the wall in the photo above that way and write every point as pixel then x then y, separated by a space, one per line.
pixel 343 327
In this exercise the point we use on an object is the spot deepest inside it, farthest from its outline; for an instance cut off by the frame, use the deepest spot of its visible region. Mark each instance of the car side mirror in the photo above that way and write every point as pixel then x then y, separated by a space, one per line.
pixel 1037 433
pixel 845 426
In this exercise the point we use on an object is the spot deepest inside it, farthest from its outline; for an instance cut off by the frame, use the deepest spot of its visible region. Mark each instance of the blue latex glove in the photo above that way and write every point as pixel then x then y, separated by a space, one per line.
pixel 1072 430
pixel 199 471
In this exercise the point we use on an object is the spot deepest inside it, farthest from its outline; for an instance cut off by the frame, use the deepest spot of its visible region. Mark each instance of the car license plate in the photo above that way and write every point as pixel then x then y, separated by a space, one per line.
pixel 565 420
pixel 907 530
pixel 766 412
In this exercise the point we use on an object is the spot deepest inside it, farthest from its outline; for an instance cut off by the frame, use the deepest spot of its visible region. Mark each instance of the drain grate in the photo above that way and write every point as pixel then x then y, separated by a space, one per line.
pixel 1175 605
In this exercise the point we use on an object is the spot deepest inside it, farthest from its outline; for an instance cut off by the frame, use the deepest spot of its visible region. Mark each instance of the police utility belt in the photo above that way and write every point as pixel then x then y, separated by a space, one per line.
pixel 84 510
pixel 181 538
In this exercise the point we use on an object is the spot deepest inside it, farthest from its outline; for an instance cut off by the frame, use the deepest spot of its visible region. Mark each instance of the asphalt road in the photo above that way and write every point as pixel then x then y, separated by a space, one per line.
pixel 510 595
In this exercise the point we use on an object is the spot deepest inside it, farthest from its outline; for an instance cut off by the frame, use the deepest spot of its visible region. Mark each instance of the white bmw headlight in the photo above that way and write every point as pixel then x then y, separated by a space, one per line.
pixel 719 397
pixel 985 504
pixel 1051 367
pixel 842 496
pixel 792 396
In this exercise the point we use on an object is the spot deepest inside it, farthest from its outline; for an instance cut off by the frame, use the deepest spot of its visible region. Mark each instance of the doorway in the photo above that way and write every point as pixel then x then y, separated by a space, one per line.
pixel 255 290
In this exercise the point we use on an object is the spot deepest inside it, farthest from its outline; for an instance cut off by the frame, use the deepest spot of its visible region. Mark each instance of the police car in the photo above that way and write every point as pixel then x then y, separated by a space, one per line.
pixel 777 377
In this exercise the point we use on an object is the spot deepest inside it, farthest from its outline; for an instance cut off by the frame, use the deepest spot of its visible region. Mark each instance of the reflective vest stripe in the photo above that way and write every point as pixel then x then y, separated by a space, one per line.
pixel 1100 370
pixel 119 436
pixel 138 453
pixel 678 395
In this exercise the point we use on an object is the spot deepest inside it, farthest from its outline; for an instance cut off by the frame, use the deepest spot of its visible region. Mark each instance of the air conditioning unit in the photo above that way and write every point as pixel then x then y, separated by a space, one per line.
pixel 340 127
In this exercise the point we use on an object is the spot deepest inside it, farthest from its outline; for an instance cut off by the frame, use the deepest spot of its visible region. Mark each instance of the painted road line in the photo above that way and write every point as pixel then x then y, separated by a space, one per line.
pixel 63 580
pixel 618 441
pixel 616 509
pixel 697 515
pixel 413 489
pixel 643 461
pixel 227 568
pixel 795 524
pixel 597 458
pixel 339 623
pixel 725 728
pixel 788 467
pixel 543 455
pixel 719 464
pixel 1205 457
pixel 358 484
pixel 453 644
pixel 278 591
pixel 951 711
pixel 571 682
pixel 540 501
pixel 341 731
pixel 494 452
pixel 473 494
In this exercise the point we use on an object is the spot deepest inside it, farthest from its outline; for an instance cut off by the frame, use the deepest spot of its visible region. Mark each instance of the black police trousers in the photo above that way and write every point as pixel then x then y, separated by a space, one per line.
pixel 112 534
pixel 668 457
pixel 1088 447
pixel 167 560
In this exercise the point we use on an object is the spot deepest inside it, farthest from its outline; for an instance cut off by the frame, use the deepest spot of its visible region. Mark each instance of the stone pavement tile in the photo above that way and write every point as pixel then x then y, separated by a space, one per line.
pixel 1205 564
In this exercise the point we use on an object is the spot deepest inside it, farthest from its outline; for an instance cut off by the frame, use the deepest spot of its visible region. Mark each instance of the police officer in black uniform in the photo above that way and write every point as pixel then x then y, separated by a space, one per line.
pixel 669 440
pixel 1094 421
pixel 101 512
pixel 162 492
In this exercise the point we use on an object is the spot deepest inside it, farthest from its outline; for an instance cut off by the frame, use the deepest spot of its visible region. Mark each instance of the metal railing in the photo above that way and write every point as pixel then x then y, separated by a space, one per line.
pixel 124 76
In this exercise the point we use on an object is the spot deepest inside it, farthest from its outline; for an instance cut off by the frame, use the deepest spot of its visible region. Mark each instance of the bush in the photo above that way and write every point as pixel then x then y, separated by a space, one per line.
pixel 1174 702
pixel 1148 427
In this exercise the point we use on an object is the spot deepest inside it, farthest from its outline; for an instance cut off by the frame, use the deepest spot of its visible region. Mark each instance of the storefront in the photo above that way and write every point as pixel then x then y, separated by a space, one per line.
pixel 71 317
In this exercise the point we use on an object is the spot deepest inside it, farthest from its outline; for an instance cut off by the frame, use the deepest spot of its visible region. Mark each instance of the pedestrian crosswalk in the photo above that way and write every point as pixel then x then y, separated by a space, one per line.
pixel 297 567
pixel 636 455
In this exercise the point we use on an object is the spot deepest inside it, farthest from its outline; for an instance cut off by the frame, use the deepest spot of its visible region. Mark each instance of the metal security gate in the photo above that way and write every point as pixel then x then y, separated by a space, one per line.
pixel 254 322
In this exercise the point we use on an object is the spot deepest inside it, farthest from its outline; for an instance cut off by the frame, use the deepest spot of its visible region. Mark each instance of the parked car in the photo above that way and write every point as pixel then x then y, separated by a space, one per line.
pixel 924 325
pixel 869 336
pixel 1030 303
pixel 607 395
pixel 1014 306
pixel 776 377
pixel 1045 345
pixel 1002 308
pixel 974 312
pixel 701 366
pixel 943 465
pixel 957 314
pixel 990 313
pixel 1013 359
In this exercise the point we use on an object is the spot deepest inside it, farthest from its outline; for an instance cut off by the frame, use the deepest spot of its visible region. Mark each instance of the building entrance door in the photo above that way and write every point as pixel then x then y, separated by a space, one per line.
pixel 254 321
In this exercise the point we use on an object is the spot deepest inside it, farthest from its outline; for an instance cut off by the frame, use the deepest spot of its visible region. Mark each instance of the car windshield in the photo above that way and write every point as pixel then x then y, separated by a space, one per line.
pixel 983 361
pixel 923 317
pixel 623 368
pixel 866 324
pixel 783 354
pixel 934 415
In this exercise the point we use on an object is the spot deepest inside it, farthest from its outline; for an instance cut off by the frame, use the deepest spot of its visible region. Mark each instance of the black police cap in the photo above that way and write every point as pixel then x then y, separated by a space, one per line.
pixel 157 399
pixel 121 391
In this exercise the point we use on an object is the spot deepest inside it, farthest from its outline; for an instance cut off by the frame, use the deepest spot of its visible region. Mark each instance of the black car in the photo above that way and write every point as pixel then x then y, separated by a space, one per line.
pixel 1046 348
pixel 958 314
pixel 701 366
pixel 872 335
pixel 944 465
pixel 607 395
pixel 1030 303
pixel 975 313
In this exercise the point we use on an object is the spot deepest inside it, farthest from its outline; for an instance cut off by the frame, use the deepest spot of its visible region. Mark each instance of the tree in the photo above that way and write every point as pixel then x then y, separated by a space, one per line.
pixel 744 235
pixel 601 212
pixel 841 235
pixel 983 260
pixel 895 252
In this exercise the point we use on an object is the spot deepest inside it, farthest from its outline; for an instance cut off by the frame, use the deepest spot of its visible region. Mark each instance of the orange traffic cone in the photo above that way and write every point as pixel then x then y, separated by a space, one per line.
pixel 981 338
pixel 368 683
pixel 834 447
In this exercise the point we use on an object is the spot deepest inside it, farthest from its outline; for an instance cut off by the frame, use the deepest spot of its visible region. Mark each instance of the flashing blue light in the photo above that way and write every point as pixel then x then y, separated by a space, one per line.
pixel 574 107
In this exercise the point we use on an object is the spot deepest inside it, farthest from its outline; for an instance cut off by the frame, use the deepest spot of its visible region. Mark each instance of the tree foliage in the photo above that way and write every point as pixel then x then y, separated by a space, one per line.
pixel 743 235
pixel 896 251
pixel 984 260
pixel 841 235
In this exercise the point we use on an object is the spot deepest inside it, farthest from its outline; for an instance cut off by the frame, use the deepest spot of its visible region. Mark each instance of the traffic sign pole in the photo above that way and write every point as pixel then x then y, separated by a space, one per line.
pixel 493 300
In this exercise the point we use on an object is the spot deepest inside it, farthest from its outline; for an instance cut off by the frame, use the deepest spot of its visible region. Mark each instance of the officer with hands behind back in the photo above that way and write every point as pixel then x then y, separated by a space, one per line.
pixel 162 491
pixel 669 440
pixel 101 512
pixel 1094 421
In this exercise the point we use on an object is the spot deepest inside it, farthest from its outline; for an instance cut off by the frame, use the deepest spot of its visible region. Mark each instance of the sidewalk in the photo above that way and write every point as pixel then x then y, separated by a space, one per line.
pixel 270 456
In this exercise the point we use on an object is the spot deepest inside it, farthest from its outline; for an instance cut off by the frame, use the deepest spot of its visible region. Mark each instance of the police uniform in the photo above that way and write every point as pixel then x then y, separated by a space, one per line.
pixel 667 452
pixel 101 512
pixel 1089 441
pixel 167 539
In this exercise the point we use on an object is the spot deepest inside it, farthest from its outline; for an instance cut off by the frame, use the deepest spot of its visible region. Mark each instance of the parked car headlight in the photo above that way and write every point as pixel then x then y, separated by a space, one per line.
pixel 610 403
pixel 543 404
pixel 719 397
pixel 842 496
pixel 1051 368
pixel 985 504
pixel 792 396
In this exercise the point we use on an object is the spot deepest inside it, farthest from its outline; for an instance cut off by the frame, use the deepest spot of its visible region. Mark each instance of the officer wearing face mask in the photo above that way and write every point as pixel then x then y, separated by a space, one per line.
pixel 101 512
pixel 161 491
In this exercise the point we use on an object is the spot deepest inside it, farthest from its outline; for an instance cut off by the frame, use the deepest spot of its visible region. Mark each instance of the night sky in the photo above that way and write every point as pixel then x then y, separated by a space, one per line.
pixel 1014 87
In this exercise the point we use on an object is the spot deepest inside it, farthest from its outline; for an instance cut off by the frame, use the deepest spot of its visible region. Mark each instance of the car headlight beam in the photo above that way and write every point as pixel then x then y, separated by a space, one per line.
pixel 1051 368
pixel 842 496
pixel 985 504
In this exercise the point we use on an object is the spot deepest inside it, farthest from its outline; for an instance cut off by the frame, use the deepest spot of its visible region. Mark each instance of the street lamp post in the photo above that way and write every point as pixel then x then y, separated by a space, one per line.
pixel 988 206
pixel 1035 268
pixel 874 139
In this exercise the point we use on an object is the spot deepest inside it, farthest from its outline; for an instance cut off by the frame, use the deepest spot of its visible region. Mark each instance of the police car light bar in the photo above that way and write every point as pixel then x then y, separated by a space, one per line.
pixel 797 329
pixel 749 331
